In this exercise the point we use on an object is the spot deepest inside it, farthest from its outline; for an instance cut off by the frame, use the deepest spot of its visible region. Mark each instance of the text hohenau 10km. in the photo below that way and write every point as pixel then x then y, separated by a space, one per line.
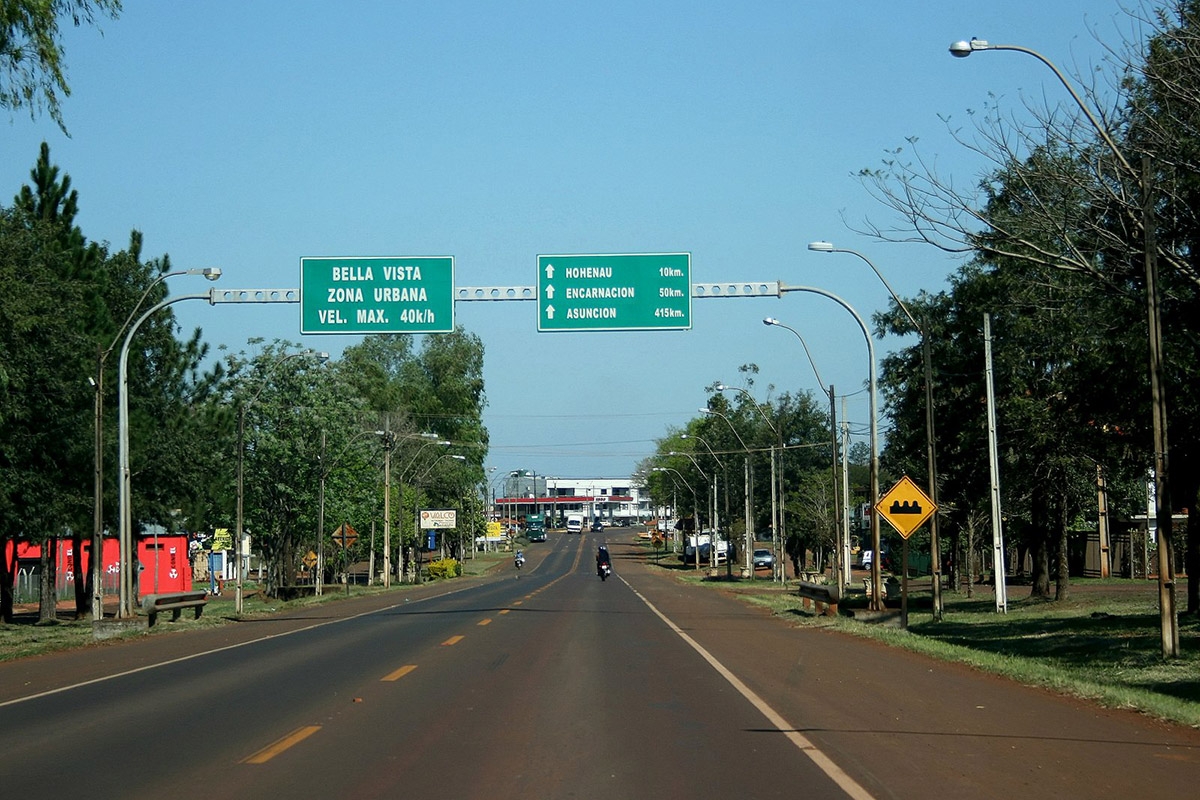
pixel 621 292
pixel 385 294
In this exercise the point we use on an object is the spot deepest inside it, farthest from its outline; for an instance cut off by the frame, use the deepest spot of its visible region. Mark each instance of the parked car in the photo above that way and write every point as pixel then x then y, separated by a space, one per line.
pixel 763 559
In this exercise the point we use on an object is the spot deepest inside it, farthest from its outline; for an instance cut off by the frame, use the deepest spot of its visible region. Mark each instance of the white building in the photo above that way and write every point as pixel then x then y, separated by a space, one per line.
pixel 613 501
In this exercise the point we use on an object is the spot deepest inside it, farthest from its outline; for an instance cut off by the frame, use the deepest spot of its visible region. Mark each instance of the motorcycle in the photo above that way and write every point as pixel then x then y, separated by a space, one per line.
pixel 519 561
pixel 604 570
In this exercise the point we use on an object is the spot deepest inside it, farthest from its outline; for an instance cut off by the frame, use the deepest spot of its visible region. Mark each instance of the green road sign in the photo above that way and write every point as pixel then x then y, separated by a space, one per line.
pixel 393 294
pixel 624 292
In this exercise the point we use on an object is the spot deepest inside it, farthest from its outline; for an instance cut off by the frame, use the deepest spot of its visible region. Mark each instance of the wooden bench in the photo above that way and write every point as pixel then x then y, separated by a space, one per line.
pixel 175 602
pixel 825 596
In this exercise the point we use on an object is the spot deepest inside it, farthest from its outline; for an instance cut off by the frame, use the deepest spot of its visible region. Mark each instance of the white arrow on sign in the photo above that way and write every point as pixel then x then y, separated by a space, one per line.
pixel 549 312
pixel 549 272
pixel 550 291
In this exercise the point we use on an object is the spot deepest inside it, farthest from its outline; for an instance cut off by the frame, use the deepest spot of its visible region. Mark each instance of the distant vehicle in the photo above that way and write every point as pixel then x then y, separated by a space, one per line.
pixel 763 559
pixel 706 556
pixel 535 527
pixel 597 525
pixel 574 523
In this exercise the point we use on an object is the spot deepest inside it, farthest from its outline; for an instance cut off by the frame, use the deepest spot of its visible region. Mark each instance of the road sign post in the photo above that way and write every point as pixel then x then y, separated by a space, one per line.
pixel 906 508
pixel 622 292
pixel 395 294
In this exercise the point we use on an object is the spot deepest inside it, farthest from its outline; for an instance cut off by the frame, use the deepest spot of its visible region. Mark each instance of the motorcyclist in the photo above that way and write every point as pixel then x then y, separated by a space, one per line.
pixel 602 560
pixel 519 559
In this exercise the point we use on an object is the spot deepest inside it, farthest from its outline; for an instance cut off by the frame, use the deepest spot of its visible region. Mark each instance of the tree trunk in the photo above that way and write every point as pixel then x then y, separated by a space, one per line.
pixel 83 589
pixel 1039 533
pixel 1062 578
pixel 1191 556
pixel 7 577
pixel 48 603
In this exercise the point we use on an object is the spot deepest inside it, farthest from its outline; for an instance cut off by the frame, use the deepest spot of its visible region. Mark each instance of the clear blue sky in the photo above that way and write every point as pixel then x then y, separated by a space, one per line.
pixel 247 135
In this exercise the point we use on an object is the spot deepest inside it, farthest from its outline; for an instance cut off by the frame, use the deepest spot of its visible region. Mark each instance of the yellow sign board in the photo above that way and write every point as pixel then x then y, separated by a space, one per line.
pixel 905 506
pixel 222 539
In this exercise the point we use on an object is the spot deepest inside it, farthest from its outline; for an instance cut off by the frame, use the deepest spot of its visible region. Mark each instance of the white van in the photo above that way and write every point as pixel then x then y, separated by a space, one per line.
pixel 574 523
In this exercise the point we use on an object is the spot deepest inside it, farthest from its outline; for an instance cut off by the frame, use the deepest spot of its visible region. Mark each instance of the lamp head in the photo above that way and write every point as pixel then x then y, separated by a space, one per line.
pixel 211 273
pixel 720 387
pixel 964 49
pixel 821 247
pixel 770 321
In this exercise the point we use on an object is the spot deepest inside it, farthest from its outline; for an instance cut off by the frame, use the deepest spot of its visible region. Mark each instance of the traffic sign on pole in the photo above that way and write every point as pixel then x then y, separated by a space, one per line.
pixel 621 292
pixel 393 294
pixel 905 506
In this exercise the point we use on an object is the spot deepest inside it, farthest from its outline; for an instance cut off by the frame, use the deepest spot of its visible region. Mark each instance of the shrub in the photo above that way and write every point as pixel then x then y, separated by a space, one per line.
pixel 445 568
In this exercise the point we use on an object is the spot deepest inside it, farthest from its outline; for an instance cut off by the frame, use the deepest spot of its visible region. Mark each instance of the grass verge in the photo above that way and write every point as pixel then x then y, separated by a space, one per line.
pixel 26 637
pixel 1102 645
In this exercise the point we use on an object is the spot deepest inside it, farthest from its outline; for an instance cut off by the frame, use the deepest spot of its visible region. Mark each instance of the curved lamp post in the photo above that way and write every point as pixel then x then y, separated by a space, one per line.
pixel 778 502
pixel 125 530
pixel 712 545
pixel 695 504
pixel 725 477
pixel 390 440
pixel 876 582
pixel 97 560
pixel 1168 614
pixel 930 436
pixel 843 537
pixel 749 543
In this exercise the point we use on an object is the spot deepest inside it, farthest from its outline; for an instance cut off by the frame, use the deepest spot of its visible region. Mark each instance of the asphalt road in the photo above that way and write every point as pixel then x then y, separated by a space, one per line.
pixel 553 684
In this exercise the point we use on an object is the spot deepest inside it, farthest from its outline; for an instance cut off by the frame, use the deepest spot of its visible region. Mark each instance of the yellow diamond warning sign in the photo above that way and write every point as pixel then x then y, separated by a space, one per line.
pixel 905 506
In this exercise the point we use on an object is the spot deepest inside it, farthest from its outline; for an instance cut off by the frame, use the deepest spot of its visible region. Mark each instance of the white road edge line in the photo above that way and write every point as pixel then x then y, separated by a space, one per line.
pixel 847 784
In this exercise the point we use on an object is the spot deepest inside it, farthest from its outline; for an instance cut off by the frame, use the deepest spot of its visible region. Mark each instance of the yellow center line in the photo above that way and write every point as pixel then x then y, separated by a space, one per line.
pixel 452 641
pixel 293 738
pixel 400 673
pixel 503 611
pixel 483 622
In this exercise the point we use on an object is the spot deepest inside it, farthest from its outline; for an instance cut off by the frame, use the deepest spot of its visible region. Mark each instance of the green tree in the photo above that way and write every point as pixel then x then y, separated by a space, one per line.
pixel 1059 199
pixel 32 67
pixel 44 358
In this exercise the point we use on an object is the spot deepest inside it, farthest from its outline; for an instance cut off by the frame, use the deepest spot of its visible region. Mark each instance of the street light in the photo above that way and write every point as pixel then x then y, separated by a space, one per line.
pixel 695 509
pixel 97 561
pixel 778 524
pixel 1168 615
pixel 390 440
pixel 749 565
pixel 930 436
pixel 238 598
pixel 125 528
pixel 725 475
pixel 876 582
pixel 844 537
pixel 712 545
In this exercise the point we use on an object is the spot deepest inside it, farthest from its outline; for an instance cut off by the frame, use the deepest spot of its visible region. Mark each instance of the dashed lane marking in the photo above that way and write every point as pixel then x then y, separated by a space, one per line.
pixel 287 742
